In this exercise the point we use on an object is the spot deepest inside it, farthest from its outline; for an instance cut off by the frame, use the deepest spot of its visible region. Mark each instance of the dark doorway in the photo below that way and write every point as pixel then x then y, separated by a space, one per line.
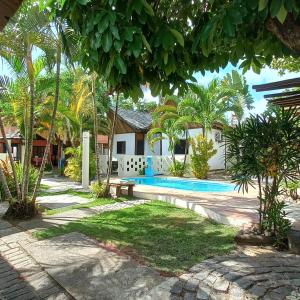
pixel 139 144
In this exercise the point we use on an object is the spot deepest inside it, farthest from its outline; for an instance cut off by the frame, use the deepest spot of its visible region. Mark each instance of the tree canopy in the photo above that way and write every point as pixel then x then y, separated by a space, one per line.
pixel 164 42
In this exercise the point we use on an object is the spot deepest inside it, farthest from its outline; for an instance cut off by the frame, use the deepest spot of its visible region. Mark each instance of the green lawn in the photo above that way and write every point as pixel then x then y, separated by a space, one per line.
pixel 168 238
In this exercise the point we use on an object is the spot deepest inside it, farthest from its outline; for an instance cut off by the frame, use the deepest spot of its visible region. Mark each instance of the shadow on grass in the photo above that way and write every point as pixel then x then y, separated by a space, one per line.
pixel 165 237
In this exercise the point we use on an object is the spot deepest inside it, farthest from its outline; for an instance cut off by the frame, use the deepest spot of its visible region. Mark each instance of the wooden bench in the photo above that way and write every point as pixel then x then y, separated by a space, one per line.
pixel 119 185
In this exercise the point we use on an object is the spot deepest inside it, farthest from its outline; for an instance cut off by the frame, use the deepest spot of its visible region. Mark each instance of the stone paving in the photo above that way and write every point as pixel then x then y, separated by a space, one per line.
pixel 48 221
pixel 21 277
pixel 252 273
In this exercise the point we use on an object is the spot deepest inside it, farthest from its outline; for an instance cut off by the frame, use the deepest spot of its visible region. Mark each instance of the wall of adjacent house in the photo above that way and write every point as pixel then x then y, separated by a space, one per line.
pixel 129 138
pixel 217 161
pixel 149 150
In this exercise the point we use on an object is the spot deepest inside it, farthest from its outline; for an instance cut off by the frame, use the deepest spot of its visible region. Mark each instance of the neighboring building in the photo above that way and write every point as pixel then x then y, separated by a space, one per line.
pixel 17 143
pixel 131 138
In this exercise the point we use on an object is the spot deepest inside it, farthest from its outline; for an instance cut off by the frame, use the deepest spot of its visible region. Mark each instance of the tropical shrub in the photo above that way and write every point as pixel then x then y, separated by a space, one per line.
pixel 202 151
pixel 33 174
pixel 99 190
pixel 291 188
pixel 178 168
pixel 74 164
pixel 266 148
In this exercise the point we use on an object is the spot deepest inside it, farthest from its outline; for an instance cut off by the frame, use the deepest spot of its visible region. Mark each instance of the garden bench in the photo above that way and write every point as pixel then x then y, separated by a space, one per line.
pixel 119 185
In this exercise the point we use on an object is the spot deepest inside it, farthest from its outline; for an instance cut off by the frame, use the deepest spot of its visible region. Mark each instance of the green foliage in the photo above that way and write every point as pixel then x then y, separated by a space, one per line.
pixel 130 42
pixel 284 64
pixel 178 168
pixel 33 174
pixel 202 151
pixel 142 172
pixel 99 190
pixel 74 164
pixel 276 221
pixel 266 147
pixel 291 187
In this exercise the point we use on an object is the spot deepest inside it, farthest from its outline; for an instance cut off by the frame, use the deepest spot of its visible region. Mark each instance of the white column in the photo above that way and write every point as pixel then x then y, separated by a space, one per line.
pixel 85 158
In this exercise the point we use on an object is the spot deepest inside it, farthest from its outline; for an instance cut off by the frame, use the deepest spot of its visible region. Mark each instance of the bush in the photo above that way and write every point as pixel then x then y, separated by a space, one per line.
pixel 276 223
pixel 202 151
pixel 33 174
pixel 178 168
pixel 74 164
pixel 291 189
pixel 99 190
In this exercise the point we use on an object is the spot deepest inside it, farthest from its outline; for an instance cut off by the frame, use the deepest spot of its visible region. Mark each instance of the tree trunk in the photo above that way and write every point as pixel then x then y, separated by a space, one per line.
pixel 96 128
pixel 51 130
pixel 29 141
pixel 112 141
pixel 6 190
pixel 12 162
pixel 186 147
pixel 288 32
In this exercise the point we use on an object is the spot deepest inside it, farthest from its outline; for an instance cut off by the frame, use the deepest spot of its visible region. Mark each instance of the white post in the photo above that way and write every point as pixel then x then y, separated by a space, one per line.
pixel 85 159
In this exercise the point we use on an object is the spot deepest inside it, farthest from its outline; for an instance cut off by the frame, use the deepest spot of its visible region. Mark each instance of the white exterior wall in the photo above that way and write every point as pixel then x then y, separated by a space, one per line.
pixel 156 148
pixel 129 138
pixel 216 162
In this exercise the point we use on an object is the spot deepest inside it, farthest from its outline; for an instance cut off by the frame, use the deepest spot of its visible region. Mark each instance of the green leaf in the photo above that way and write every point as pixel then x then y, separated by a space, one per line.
pixel 118 45
pixel 148 8
pixel 166 56
pixel 120 65
pixel 145 42
pixel 109 66
pixel 229 28
pixel 128 34
pixel 114 30
pixel 107 41
pixel 275 7
pixel 281 14
pixel 262 4
pixel 83 2
pixel 168 41
pixel 178 36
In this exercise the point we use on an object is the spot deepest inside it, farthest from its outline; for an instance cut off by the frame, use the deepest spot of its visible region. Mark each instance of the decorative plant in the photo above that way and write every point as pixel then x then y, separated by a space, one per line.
pixel 178 168
pixel 99 190
pixel 7 170
pixel 291 188
pixel 74 164
pixel 202 151
pixel 266 148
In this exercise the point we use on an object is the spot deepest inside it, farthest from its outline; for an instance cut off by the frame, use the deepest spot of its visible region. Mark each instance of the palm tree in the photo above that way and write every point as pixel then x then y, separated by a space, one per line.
pixel 28 29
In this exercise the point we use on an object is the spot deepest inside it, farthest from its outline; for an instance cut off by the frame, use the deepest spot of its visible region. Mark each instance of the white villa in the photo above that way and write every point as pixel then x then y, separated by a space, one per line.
pixel 131 147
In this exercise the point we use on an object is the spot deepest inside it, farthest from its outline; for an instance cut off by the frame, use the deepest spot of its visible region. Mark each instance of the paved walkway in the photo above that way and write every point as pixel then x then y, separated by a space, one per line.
pixel 21 277
pixel 253 273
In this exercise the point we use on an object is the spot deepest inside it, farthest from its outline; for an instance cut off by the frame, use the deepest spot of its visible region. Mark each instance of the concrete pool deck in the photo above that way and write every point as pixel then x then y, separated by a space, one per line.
pixel 231 208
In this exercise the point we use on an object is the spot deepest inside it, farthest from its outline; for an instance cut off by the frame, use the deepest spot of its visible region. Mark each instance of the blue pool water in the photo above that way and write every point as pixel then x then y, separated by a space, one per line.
pixel 184 184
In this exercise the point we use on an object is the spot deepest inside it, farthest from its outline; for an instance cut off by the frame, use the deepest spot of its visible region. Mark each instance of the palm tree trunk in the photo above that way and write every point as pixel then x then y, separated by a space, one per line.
pixel 29 141
pixel 186 147
pixel 96 129
pixel 51 130
pixel 3 181
pixel 112 141
pixel 12 162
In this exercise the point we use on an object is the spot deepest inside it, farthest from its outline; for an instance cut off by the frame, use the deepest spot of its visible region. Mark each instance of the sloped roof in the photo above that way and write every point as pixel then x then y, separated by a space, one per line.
pixel 12 133
pixel 137 119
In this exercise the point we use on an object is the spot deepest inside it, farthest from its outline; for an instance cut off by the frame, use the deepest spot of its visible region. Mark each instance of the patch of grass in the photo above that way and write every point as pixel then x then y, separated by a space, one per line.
pixel 45 186
pixel 167 238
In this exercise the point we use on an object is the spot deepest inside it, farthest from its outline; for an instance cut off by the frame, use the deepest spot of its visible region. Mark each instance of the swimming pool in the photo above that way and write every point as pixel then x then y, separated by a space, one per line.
pixel 184 184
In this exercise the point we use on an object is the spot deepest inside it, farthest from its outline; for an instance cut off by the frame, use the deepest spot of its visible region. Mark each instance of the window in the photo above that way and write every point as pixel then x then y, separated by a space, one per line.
pixel 121 147
pixel 180 147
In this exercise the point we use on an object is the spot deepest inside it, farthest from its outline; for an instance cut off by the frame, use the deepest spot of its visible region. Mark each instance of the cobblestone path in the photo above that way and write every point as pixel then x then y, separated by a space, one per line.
pixel 251 274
